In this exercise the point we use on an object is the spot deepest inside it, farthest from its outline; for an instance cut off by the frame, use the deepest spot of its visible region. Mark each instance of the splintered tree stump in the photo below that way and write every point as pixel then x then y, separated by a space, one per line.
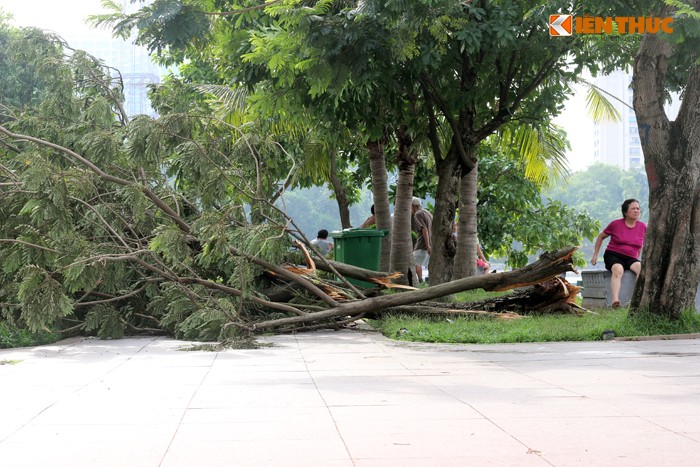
pixel 553 295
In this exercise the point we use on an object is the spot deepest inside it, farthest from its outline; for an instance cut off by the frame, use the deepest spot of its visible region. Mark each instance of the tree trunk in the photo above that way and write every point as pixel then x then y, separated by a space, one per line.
pixel 339 192
pixel 465 261
pixel 401 241
pixel 671 258
pixel 355 272
pixel 380 192
pixel 555 295
pixel 442 259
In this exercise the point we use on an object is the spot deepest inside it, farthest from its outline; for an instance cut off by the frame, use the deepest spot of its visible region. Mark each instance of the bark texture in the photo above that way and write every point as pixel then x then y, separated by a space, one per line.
pixel 401 242
pixel 442 259
pixel 380 192
pixel 465 260
pixel 671 257
pixel 556 295
pixel 339 192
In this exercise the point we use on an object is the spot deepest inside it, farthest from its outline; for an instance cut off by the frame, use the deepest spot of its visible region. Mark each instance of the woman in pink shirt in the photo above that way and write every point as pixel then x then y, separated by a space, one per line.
pixel 626 241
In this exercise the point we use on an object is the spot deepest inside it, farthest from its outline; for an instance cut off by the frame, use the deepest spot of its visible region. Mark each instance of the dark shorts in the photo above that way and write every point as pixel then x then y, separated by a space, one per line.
pixel 612 257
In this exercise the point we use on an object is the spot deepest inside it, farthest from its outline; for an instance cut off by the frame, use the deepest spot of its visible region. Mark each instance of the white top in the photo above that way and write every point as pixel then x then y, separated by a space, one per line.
pixel 323 246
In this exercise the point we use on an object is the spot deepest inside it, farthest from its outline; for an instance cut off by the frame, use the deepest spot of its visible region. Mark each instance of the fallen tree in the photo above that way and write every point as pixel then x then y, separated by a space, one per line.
pixel 170 281
pixel 555 295
pixel 548 266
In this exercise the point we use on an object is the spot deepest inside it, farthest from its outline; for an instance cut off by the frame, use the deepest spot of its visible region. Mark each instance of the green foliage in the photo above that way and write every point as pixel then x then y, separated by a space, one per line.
pixel 170 243
pixel 174 305
pixel 600 190
pixel 539 149
pixel 12 337
pixel 94 249
pixel 105 322
pixel 287 86
pixel 42 299
pixel 518 222
pixel 476 295
pixel 162 24
pixel 600 108
pixel 686 42
pixel 205 324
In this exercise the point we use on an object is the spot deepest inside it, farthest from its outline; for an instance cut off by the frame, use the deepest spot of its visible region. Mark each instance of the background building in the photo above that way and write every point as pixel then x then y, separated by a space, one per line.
pixel 131 61
pixel 618 143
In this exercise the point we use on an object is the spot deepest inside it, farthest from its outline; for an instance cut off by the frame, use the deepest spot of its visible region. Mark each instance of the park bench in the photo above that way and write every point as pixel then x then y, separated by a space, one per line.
pixel 596 291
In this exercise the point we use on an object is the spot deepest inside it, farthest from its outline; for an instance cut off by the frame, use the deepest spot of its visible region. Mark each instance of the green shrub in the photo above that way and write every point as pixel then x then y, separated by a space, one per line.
pixel 11 337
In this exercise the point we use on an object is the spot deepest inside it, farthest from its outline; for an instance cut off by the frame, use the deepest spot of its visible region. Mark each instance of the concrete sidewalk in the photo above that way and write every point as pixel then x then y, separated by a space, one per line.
pixel 350 398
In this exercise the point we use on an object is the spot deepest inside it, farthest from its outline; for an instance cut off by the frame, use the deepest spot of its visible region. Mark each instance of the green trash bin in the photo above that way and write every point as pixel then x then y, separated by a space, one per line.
pixel 359 247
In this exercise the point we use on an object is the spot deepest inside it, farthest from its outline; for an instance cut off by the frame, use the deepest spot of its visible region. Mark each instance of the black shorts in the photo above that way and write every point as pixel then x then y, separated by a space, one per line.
pixel 612 257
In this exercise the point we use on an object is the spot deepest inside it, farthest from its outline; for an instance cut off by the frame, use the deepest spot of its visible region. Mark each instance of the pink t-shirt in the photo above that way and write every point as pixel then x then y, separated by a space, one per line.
pixel 625 240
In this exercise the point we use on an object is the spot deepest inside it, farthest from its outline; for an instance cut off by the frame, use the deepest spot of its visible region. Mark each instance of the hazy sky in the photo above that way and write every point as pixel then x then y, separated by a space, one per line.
pixel 61 16
pixel 66 17
pixel 579 128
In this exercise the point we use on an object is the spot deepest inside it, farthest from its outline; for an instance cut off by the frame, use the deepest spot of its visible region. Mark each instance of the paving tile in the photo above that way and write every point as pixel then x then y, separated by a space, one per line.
pixel 115 414
pixel 125 434
pixel 271 395
pixel 448 410
pixel 255 453
pixel 476 458
pixel 688 425
pixel 602 441
pixel 655 399
pixel 270 415
pixel 107 453
pixel 428 438
pixel 262 429
pixel 222 375
pixel 546 406
pixel 350 398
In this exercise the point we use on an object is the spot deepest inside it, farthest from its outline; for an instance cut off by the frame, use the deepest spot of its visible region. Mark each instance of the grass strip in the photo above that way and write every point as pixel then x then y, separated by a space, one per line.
pixel 536 328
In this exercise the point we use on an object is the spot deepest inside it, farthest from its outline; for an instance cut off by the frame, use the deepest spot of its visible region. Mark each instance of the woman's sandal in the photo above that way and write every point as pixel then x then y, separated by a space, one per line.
pixel 616 304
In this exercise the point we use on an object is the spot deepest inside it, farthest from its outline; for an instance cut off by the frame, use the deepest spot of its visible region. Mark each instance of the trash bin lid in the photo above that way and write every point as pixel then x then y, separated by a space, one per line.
pixel 348 233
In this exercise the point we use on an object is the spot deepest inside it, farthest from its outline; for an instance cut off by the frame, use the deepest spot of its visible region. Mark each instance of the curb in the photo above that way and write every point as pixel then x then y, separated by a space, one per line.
pixel 666 337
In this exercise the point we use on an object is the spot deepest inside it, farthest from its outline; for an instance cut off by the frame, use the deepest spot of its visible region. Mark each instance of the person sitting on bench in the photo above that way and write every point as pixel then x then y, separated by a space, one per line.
pixel 626 241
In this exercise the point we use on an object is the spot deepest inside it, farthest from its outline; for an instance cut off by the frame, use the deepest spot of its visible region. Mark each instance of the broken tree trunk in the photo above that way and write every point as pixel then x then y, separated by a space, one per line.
pixel 380 278
pixel 549 265
pixel 556 295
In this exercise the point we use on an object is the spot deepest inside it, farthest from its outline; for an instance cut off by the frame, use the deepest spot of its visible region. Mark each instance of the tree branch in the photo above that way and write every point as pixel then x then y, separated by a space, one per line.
pixel 456 133
pixel 12 240
pixel 104 176
pixel 121 297
pixel 242 10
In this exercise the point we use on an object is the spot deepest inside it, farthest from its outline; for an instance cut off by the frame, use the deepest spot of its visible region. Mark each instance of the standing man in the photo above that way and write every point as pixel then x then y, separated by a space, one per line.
pixel 423 222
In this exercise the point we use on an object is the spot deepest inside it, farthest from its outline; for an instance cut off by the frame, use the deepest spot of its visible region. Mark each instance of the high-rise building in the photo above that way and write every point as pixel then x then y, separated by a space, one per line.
pixel 131 61
pixel 617 143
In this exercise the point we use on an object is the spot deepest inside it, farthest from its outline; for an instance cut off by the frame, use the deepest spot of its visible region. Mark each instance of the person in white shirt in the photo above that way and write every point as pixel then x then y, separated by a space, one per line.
pixel 321 242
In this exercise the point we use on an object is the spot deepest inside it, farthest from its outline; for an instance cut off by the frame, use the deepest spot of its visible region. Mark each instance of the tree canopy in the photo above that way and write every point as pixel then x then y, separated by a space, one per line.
pixel 115 224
